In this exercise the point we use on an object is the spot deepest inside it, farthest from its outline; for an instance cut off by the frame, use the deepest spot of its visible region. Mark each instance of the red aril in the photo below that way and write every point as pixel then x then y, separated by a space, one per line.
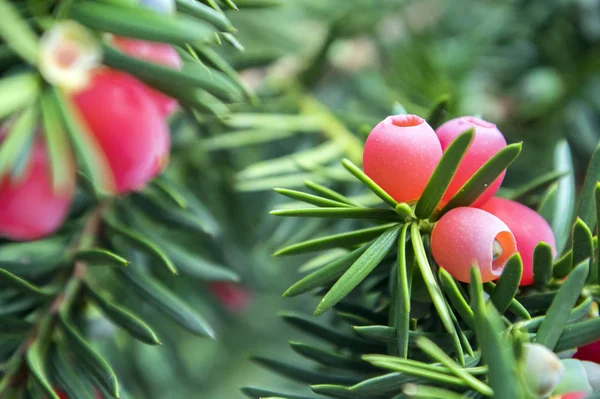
pixel 158 53
pixel 30 208
pixel 125 121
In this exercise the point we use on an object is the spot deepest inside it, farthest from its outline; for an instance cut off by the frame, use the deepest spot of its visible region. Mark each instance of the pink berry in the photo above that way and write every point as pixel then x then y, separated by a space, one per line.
pixel 29 207
pixel 488 140
pixel 128 126
pixel 589 352
pixel 574 395
pixel 528 227
pixel 157 53
pixel 400 155
pixel 233 296
pixel 467 237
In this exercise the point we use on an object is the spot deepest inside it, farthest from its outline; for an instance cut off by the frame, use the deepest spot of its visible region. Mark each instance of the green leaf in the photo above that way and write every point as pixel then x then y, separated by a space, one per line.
pixel 508 283
pixel 141 24
pixel 194 265
pixel 34 257
pixel 258 393
pixel 330 358
pixel 423 374
pixel 433 288
pixel 558 209
pixel 586 207
pixel 206 13
pixel 578 334
pixel 542 264
pixel 216 61
pixel 359 270
pixel 438 354
pixel 15 149
pixel 18 91
pixel 323 259
pixel 87 149
pixel 71 382
pixel 15 31
pixel 456 298
pixel 385 385
pixel 57 142
pixel 403 283
pixel 302 374
pixel 339 213
pixel 35 362
pixel 99 256
pixel 310 199
pixel 515 307
pixel 534 185
pixel 174 82
pixel 442 175
pixel 329 193
pixel 14 326
pixel 139 241
pixel 496 351
pixel 326 274
pixel 334 391
pixel 166 302
pixel 89 359
pixel 558 313
pixel 337 240
pixel 124 318
pixel 436 116
pixel 485 176
pixel 583 245
pixel 9 279
pixel 425 392
pixel 369 183
pixel 258 3
pixel 329 334
pixel 595 271
pixel 162 211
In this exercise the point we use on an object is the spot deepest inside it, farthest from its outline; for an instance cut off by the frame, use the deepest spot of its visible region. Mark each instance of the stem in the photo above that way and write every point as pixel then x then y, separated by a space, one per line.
pixel 42 328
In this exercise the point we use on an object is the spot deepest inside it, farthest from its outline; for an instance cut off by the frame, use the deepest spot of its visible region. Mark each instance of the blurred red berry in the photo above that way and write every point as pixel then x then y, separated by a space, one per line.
pixel 233 296
pixel 157 53
pixel 128 126
pixel 29 206
pixel 589 352
pixel 574 395
pixel 528 227
pixel 61 394
pixel 488 140
pixel 400 155
pixel 467 237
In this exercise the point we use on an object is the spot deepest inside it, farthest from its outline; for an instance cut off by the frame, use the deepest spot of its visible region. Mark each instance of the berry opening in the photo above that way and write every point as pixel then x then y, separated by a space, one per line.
pixel 479 122
pixel 406 120
pixel 502 248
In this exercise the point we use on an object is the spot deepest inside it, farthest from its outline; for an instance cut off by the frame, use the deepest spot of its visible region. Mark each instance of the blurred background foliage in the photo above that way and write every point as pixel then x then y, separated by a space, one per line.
pixel 334 69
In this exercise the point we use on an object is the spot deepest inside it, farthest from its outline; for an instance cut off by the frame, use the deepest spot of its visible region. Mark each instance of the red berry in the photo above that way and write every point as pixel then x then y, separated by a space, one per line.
pixel 467 237
pixel 400 155
pixel 589 352
pixel 233 296
pixel 488 140
pixel 60 394
pixel 574 395
pixel 528 227
pixel 157 53
pixel 129 128
pixel 29 207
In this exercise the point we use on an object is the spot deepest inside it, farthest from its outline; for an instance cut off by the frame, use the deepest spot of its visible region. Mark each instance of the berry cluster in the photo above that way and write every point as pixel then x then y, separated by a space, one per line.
pixel 126 119
pixel 401 154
